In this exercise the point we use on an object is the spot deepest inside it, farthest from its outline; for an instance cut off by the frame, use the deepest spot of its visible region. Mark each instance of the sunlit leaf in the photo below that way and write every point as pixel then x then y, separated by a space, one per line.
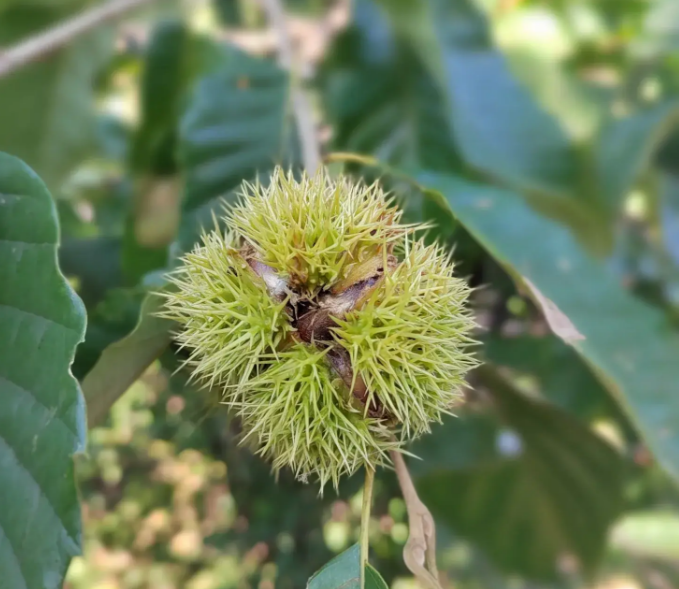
pixel 649 534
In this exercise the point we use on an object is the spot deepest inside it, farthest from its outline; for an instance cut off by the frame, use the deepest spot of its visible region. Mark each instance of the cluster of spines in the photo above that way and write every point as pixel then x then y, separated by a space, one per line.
pixel 407 339
pixel 228 321
pixel 313 230
pixel 300 415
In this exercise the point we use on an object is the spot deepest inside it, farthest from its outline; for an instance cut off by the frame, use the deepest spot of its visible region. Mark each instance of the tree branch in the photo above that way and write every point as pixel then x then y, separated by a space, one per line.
pixel 311 151
pixel 49 41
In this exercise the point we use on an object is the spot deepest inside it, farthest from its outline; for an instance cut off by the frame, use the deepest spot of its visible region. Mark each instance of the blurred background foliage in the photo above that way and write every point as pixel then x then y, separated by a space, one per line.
pixel 542 139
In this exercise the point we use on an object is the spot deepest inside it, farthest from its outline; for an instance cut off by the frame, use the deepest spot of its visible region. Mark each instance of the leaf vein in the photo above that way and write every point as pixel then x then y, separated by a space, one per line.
pixel 41 317
pixel 32 478
pixel 38 401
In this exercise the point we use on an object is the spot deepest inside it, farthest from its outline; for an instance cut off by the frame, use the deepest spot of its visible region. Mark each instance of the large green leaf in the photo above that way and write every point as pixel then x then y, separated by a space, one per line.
pixel 630 345
pixel 47 115
pixel 498 126
pixel 237 126
pixel 42 422
pixel 626 146
pixel 551 489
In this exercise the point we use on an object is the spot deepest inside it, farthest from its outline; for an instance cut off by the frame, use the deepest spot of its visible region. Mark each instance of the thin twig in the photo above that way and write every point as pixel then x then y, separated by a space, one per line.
pixel 52 39
pixel 311 152
pixel 365 520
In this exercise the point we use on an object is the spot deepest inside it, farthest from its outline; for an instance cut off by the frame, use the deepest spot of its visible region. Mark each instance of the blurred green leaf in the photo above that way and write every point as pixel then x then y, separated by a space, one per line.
pixel 559 372
pixel 37 3
pixel 660 33
pixel 498 126
pixel 238 125
pixel 151 227
pixel 630 346
pixel 552 491
pixel 669 217
pixel 108 320
pixel 95 262
pixel 175 57
pixel 648 534
pixel 42 422
pixel 47 116
pixel 342 572
pixel 381 99
pixel 626 146
pixel 125 361
pixel 538 44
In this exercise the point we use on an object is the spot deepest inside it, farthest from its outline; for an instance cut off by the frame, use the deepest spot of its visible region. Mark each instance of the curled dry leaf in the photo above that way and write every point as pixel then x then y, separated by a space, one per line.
pixel 419 553
pixel 560 324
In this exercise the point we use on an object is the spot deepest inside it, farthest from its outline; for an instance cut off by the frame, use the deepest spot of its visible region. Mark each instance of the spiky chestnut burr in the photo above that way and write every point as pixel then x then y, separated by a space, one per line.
pixel 330 330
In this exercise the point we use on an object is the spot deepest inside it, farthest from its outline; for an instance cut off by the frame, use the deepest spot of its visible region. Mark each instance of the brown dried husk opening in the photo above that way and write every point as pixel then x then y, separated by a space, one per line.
pixel 313 315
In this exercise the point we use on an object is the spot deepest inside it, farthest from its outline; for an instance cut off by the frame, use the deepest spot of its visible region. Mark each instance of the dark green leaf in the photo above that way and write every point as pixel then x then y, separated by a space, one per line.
pixel 95 262
pixel 553 489
pixel 109 321
pixel 125 361
pixel 237 126
pixel 342 572
pixel 382 100
pixel 560 374
pixel 47 116
pixel 630 345
pixel 42 422
pixel 174 59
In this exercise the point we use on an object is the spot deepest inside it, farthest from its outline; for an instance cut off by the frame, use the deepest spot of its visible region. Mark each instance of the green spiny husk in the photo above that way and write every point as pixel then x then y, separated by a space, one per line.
pixel 330 348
